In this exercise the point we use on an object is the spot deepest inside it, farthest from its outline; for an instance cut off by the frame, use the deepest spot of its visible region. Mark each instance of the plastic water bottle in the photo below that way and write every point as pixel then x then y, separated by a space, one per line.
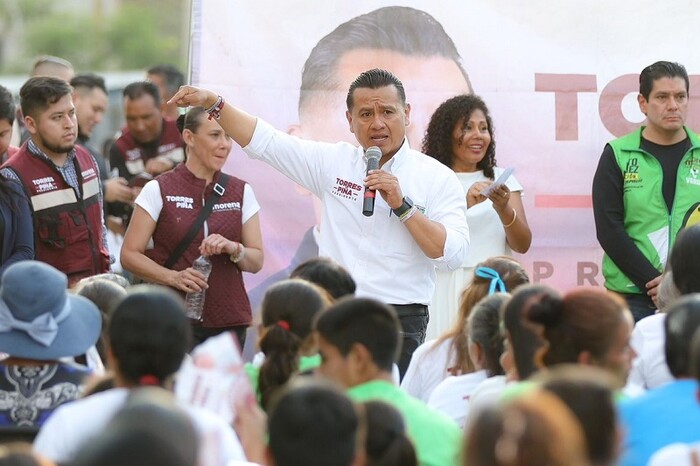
pixel 194 301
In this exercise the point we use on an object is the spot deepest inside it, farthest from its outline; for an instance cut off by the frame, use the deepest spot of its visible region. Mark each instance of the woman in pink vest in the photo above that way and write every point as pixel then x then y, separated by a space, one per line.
pixel 230 236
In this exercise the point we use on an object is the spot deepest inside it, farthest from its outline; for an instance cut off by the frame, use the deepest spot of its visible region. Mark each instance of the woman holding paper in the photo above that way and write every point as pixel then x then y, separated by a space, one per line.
pixel 461 135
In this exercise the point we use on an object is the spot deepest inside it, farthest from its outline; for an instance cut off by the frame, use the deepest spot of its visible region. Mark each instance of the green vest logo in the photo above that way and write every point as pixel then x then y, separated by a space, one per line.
pixel 632 171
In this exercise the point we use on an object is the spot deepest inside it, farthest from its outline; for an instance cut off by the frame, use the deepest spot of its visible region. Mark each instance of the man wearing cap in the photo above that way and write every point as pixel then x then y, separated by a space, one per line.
pixel 41 323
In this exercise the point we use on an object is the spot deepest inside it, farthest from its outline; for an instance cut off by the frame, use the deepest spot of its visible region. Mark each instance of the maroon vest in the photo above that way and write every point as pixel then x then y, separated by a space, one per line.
pixel 67 228
pixel 226 303
pixel 135 155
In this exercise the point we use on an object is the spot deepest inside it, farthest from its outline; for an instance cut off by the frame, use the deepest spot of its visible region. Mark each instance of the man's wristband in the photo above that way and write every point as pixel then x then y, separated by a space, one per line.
pixel 410 213
pixel 401 210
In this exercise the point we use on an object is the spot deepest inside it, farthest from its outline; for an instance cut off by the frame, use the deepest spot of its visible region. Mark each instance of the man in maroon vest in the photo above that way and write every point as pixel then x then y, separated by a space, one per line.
pixel 149 144
pixel 61 181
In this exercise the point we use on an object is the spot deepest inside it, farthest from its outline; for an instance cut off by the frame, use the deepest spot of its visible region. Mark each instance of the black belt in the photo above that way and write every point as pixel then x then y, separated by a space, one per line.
pixel 406 308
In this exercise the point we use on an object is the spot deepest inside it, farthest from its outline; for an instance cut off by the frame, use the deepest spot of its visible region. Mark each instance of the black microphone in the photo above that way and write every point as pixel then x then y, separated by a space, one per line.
pixel 373 155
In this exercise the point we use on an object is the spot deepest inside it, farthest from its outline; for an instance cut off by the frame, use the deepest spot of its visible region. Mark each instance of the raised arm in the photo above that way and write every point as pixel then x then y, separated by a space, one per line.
pixel 238 124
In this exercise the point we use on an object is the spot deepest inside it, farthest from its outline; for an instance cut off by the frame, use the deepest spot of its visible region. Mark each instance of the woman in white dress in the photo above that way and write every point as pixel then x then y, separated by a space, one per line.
pixel 461 136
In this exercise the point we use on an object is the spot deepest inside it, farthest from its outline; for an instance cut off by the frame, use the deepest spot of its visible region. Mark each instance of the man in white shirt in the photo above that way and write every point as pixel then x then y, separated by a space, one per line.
pixel 419 218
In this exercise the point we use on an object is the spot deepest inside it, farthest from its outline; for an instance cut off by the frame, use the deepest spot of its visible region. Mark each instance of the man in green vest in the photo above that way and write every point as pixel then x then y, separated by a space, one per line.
pixel 647 188
pixel 359 343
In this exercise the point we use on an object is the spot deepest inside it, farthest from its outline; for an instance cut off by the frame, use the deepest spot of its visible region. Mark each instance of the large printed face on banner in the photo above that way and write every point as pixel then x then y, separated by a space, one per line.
pixel 559 82
pixel 427 81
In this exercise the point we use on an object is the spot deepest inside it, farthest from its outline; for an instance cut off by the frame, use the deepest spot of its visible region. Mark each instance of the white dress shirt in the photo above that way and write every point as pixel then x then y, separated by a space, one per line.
pixel 383 258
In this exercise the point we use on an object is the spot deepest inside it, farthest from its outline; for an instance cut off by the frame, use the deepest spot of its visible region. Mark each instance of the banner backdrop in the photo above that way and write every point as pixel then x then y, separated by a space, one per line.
pixel 560 79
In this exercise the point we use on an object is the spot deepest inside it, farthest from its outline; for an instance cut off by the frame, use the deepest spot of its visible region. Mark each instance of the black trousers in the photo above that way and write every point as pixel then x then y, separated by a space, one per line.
pixel 414 324
pixel 640 305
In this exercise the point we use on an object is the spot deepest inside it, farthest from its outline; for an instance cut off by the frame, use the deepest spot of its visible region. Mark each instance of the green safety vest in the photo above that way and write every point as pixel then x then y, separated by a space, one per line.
pixel 647 219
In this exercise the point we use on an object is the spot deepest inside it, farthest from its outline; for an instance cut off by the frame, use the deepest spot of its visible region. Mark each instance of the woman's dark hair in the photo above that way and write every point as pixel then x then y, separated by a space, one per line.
pixel 685 260
pixel 484 329
pixel 532 430
pixel 525 340
pixel 386 442
pixel 586 319
pixel 288 311
pixel 682 321
pixel 328 274
pixel 588 392
pixel 190 120
pixel 438 140
pixel 512 274
pixel 149 334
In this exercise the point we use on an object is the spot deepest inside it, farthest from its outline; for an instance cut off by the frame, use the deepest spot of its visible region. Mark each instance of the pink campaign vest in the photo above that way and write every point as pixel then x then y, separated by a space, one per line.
pixel 183 195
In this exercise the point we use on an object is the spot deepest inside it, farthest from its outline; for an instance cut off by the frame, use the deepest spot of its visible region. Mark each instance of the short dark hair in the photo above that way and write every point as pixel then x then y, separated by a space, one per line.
pixel 386 440
pixel 7 105
pixel 438 139
pixel 312 423
pixel 681 323
pixel 138 89
pixel 658 70
pixel 374 79
pixel 149 334
pixel 328 274
pixel 685 260
pixel 88 81
pixel 172 77
pixel 365 321
pixel 38 93
pixel 400 29
pixel 485 330
pixel 524 338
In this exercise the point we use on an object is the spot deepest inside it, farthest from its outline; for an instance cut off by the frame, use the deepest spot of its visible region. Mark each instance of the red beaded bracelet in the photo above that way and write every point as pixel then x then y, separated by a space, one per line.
pixel 215 110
